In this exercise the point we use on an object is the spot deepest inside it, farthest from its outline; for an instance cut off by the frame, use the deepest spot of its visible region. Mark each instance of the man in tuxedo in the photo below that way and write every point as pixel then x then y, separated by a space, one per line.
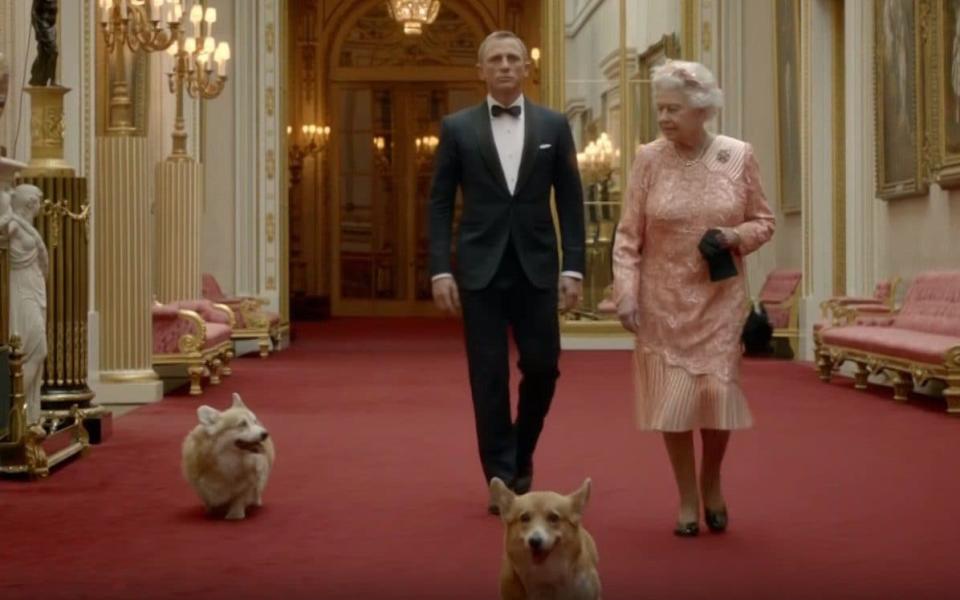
pixel 505 155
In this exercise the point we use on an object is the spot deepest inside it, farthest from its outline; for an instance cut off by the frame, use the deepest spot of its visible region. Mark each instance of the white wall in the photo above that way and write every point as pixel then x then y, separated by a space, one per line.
pixel 219 157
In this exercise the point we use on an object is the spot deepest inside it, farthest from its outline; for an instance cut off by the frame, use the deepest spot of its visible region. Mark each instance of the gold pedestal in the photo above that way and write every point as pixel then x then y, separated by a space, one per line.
pixel 178 217
pixel 124 267
pixel 63 223
pixel 46 132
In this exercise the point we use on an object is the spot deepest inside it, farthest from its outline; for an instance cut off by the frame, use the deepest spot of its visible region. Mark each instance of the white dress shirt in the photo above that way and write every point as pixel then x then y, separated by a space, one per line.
pixel 508 136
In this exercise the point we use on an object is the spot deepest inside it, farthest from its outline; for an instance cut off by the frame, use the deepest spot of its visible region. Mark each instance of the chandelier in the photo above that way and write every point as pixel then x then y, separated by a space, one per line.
pixel 414 14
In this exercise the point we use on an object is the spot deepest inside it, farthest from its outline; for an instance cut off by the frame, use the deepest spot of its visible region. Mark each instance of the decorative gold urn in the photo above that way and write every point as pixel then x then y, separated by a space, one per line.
pixel 46 132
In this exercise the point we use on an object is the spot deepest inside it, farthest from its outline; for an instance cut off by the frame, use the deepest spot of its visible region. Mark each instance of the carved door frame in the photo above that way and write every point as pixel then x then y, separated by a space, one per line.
pixel 337 78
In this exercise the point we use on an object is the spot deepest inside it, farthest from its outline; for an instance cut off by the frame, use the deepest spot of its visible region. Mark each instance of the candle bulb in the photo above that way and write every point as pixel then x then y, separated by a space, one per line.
pixel 155 10
pixel 210 18
pixel 196 15
pixel 190 45
pixel 221 56
pixel 209 45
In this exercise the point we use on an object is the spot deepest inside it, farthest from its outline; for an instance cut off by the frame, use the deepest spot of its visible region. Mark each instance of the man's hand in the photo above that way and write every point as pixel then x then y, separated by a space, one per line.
pixel 446 295
pixel 570 291
pixel 629 315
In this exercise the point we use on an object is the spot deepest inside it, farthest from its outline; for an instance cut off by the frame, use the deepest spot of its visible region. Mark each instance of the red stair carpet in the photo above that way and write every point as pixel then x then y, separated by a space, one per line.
pixel 377 493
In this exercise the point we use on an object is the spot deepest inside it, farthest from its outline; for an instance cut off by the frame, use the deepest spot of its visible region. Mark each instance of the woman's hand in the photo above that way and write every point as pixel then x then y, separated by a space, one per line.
pixel 730 237
pixel 629 315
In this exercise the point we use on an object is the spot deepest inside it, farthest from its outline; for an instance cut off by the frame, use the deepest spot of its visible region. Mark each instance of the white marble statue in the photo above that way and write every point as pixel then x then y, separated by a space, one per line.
pixel 28 292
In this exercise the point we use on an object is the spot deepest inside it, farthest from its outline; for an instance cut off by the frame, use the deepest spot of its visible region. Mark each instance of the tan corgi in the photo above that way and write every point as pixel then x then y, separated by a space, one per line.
pixel 548 555
pixel 227 459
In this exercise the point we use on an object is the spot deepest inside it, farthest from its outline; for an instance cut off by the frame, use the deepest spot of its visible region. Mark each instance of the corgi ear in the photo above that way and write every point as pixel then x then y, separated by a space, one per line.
pixel 501 495
pixel 238 401
pixel 208 416
pixel 579 498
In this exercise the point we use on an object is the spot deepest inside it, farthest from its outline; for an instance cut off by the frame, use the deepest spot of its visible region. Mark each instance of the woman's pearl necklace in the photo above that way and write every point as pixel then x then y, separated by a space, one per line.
pixel 689 162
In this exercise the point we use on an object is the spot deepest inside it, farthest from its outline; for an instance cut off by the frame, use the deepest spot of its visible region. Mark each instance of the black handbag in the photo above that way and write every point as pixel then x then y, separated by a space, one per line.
pixel 718 256
pixel 757 332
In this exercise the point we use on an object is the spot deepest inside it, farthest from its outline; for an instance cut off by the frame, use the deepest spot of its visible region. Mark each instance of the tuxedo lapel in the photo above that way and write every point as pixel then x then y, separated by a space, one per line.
pixel 488 149
pixel 531 144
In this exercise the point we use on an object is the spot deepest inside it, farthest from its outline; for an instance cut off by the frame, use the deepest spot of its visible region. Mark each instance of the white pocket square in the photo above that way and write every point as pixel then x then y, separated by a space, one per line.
pixel 545 146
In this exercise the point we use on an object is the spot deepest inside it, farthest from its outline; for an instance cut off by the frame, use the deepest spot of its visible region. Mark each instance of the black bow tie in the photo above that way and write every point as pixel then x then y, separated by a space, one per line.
pixel 513 111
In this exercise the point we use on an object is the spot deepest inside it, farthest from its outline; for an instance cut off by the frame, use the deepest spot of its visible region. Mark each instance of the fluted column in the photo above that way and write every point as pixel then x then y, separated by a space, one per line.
pixel 125 267
pixel 178 224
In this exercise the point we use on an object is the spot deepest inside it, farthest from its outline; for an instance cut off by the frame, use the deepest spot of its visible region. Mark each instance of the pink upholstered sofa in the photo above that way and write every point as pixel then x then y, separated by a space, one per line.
pixel 833 310
pixel 195 334
pixel 780 298
pixel 252 321
pixel 918 342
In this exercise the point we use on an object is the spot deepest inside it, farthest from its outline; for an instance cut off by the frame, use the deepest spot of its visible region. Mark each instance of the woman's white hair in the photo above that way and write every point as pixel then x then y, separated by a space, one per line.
pixel 693 79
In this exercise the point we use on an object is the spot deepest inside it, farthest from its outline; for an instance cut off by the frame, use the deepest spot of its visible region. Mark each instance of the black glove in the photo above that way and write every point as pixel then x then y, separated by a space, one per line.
pixel 718 256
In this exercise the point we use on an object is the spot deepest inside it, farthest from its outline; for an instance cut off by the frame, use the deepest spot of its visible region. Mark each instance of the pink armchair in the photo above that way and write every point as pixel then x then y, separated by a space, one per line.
pixel 195 334
pixel 780 296
pixel 252 321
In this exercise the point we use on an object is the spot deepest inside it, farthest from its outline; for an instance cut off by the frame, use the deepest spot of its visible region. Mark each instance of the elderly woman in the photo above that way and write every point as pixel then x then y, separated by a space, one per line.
pixel 686 363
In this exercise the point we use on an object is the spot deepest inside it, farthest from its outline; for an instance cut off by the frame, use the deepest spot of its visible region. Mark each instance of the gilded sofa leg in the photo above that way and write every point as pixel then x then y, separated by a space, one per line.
pixel 216 368
pixel 952 394
pixel 196 375
pixel 902 386
pixel 264 347
pixel 824 366
pixel 860 377
pixel 227 359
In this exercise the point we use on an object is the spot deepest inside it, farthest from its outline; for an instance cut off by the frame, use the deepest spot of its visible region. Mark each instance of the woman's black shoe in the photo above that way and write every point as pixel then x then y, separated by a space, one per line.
pixel 687 529
pixel 716 521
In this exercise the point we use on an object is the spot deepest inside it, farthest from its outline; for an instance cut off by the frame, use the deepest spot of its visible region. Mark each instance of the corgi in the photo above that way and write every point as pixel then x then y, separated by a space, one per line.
pixel 548 555
pixel 227 459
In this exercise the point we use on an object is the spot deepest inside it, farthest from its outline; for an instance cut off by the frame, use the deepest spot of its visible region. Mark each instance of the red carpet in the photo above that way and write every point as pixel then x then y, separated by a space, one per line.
pixel 377 492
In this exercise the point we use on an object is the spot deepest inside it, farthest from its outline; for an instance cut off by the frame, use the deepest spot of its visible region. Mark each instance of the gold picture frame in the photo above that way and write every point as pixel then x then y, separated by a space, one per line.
pixel 943 101
pixel 665 48
pixel 898 93
pixel 788 98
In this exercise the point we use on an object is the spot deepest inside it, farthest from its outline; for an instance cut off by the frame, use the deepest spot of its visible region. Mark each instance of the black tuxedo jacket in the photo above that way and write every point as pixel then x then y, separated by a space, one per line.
pixel 492 216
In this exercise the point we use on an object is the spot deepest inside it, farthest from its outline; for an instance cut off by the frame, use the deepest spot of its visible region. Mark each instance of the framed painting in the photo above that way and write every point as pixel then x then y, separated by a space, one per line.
pixel 787 77
pixel 942 76
pixel 666 48
pixel 898 93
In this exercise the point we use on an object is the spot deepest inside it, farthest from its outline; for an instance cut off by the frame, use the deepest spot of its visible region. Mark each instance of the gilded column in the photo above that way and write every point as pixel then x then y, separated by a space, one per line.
pixel 63 223
pixel 178 224
pixel 124 264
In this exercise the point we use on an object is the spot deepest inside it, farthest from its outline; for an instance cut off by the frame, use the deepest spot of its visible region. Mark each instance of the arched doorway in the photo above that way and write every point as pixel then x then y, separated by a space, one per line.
pixel 387 93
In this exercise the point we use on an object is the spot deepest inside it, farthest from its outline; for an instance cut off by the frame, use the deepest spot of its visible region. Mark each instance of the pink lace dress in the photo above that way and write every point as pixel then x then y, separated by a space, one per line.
pixel 687 357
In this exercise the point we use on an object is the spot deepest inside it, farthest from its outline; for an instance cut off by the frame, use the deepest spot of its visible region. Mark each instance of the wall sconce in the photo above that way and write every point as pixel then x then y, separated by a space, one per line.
pixel 314 141
pixel 535 57
pixel 599 160
pixel 426 148
pixel 381 153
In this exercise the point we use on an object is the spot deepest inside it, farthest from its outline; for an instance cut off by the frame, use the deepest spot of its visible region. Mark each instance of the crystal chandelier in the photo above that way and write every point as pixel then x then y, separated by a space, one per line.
pixel 414 14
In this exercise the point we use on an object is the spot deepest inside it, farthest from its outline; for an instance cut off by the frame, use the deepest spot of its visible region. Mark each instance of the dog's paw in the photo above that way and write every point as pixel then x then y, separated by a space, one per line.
pixel 236 514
